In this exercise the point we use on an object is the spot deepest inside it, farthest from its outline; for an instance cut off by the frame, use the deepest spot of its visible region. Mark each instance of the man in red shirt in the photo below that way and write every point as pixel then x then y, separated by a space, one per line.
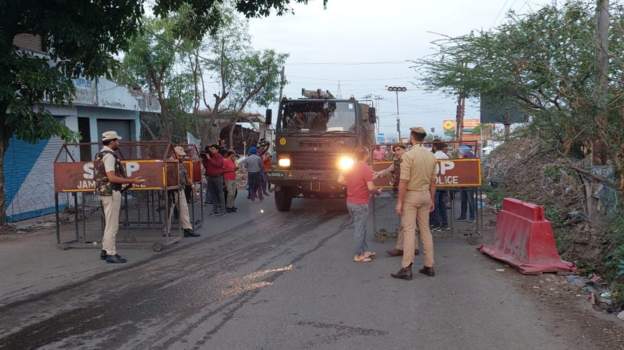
pixel 229 176
pixel 213 165
pixel 359 183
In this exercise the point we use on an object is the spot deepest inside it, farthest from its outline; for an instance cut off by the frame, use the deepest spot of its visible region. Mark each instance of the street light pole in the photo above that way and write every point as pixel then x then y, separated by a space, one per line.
pixel 396 90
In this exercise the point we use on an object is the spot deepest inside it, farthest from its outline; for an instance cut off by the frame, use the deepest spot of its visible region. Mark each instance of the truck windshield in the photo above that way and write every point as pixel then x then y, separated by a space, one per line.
pixel 319 117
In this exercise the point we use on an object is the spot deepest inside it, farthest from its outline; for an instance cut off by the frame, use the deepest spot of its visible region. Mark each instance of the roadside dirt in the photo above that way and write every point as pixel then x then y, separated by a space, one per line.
pixel 569 304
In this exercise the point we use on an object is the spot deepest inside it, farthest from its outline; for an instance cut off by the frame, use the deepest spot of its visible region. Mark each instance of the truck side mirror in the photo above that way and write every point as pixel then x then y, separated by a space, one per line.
pixel 372 117
pixel 268 117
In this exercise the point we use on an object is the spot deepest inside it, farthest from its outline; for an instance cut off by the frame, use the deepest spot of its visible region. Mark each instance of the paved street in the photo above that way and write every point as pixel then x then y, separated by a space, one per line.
pixel 286 281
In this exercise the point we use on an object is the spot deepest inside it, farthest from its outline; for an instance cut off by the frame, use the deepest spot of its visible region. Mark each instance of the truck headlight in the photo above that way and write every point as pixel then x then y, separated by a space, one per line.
pixel 284 162
pixel 345 163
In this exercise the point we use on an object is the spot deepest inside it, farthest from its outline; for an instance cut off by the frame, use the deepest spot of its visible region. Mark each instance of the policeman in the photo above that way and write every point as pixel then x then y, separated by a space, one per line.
pixel 185 180
pixel 110 176
pixel 415 202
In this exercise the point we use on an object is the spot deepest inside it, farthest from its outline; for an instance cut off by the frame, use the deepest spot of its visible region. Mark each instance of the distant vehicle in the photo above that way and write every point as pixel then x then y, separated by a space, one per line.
pixel 315 138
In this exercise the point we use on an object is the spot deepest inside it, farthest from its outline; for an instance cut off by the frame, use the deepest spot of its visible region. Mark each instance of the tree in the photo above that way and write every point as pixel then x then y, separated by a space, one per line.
pixel 244 76
pixel 151 62
pixel 80 38
pixel 546 62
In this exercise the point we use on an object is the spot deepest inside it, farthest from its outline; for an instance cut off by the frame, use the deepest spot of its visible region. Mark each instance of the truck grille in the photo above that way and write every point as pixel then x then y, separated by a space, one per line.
pixel 313 161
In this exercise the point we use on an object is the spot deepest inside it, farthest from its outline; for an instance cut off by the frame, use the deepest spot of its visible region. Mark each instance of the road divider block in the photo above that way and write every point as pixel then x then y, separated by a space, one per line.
pixel 525 239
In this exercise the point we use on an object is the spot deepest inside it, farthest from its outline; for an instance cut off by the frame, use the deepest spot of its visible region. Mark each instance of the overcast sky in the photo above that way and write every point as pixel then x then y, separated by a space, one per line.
pixel 364 45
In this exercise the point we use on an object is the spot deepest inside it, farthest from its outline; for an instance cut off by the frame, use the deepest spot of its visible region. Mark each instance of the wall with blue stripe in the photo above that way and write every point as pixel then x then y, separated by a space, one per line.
pixel 29 180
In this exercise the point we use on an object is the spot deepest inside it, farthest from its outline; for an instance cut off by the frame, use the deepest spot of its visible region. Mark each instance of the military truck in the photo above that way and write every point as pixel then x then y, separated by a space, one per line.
pixel 315 139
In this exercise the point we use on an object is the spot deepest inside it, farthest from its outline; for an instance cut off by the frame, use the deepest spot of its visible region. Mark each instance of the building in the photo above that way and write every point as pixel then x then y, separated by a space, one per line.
pixel 99 105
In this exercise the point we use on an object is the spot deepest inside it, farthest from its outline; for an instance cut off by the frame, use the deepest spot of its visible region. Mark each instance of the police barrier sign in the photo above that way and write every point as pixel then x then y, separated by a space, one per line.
pixel 453 173
pixel 79 176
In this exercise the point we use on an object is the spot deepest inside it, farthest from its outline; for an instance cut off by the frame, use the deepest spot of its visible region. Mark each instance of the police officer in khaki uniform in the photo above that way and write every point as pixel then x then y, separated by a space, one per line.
pixel 415 202
pixel 185 180
pixel 110 176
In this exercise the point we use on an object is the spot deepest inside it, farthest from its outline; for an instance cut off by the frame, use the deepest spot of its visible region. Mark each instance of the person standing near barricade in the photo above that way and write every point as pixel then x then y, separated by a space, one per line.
pixel 110 176
pixel 439 215
pixel 229 176
pixel 359 183
pixel 415 202
pixel 394 170
pixel 379 154
pixel 183 208
pixel 253 164
pixel 213 165
pixel 467 196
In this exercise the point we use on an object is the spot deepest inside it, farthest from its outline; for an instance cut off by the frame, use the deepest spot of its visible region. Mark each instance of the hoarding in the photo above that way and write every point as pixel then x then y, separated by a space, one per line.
pixel 501 109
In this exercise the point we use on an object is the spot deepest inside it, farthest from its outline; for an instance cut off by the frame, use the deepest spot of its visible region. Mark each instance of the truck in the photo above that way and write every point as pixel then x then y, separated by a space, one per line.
pixel 315 139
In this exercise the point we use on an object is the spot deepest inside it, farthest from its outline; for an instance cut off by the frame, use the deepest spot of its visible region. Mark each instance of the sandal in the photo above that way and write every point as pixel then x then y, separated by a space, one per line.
pixel 362 259
pixel 371 255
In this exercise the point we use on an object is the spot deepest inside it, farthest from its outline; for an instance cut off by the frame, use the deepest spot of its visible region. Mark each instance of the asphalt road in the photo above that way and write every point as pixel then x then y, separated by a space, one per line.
pixel 286 281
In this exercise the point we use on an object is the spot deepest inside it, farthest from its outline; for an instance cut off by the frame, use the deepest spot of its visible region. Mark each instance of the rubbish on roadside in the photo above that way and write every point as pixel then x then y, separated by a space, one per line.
pixel 578 281
pixel 595 279
pixel 500 270
pixel 621 316
pixel 606 295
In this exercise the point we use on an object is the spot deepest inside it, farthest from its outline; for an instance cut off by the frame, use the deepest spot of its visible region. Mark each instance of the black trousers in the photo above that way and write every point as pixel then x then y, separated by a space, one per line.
pixel 215 188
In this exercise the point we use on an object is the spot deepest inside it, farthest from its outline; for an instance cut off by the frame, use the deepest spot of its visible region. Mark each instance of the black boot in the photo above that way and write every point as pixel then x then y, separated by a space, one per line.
pixel 115 259
pixel 404 273
pixel 189 233
pixel 427 271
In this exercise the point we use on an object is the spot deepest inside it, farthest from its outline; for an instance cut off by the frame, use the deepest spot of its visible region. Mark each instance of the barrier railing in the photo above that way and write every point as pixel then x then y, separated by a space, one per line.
pixel 458 184
pixel 148 206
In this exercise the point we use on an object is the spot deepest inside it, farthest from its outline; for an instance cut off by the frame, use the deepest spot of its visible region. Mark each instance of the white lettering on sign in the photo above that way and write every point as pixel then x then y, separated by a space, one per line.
pixel 132 167
pixel 447 180
pixel 444 166
pixel 88 171
pixel 86 184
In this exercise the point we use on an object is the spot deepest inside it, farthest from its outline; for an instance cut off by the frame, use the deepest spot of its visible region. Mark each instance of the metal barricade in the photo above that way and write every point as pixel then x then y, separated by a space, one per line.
pixel 457 177
pixel 147 210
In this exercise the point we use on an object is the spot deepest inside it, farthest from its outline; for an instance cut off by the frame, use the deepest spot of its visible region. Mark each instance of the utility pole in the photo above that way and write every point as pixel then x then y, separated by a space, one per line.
pixel 602 74
pixel 396 90
pixel 459 117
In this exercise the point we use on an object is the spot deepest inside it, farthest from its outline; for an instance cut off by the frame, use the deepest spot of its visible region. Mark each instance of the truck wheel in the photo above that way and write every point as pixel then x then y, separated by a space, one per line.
pixel 283 200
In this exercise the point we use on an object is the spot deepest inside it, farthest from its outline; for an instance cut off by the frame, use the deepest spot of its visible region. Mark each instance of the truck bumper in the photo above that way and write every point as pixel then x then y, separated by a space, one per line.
pixel 308 183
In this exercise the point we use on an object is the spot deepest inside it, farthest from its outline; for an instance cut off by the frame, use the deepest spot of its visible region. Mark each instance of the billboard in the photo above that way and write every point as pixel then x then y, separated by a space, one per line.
pixel 471 131
pixel 501 109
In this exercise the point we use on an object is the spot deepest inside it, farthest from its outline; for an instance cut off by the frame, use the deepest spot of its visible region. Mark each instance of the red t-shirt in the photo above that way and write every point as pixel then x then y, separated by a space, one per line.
pixel 229 169
pixel 356 179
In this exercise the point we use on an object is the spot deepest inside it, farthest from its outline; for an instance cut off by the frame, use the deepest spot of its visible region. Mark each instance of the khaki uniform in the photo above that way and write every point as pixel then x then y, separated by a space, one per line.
pixel 183 209
pixel 111 199
pixel 418 168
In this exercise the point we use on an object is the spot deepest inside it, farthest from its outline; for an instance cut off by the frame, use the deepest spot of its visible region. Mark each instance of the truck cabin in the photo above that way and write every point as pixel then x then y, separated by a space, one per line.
pixel 318 116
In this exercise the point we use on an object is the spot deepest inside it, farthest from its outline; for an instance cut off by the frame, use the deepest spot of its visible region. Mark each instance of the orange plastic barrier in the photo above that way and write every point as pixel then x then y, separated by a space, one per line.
pixel 525 240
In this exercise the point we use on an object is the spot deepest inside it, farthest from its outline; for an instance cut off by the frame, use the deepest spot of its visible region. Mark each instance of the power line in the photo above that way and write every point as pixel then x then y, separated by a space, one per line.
pixel 343 80
pixel 347 63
